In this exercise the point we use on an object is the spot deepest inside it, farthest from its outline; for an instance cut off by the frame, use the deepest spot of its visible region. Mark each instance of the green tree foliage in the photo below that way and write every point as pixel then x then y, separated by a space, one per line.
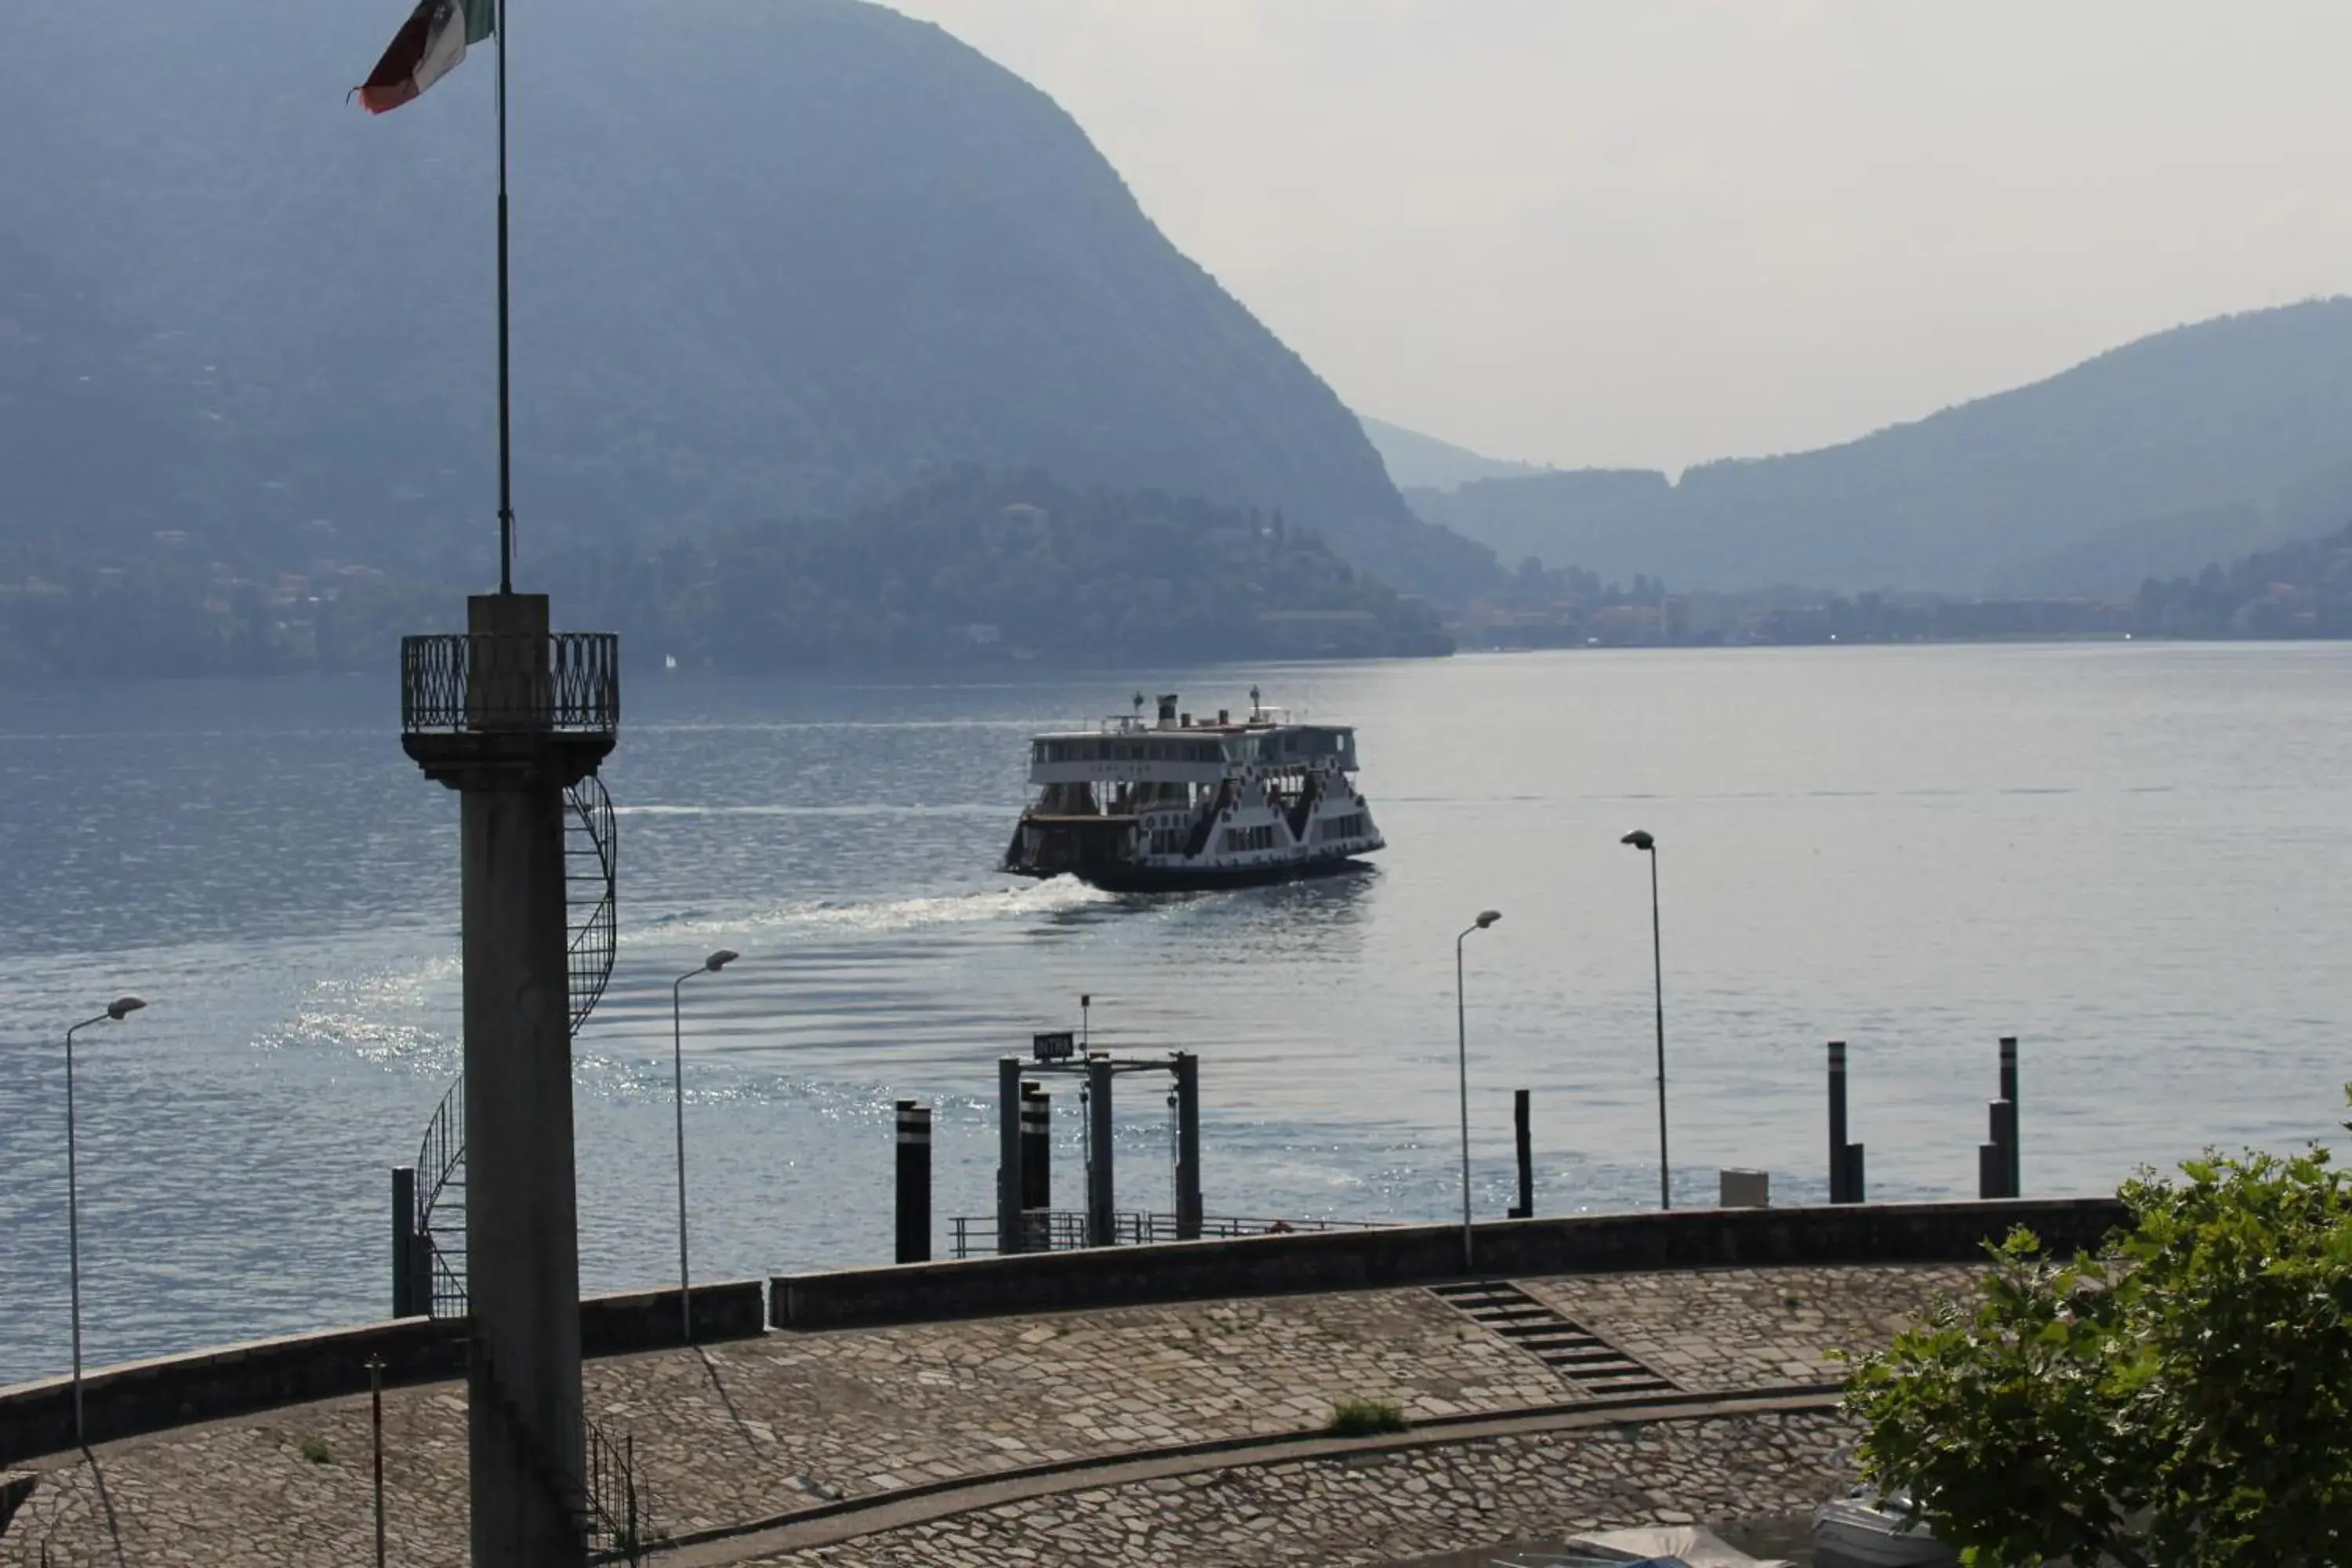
pixel 2184 1399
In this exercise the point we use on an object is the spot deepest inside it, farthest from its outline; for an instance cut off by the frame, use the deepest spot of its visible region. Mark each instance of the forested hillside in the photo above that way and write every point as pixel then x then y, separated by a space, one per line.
pixel 2300 590
pixel 973 567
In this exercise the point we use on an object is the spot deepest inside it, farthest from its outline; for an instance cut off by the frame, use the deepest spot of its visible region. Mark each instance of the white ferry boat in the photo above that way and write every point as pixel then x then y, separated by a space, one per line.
pixel 1140 805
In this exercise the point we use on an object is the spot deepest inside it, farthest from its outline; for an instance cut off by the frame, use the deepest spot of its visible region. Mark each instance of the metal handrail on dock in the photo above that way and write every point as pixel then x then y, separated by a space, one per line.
pixel 1065 1230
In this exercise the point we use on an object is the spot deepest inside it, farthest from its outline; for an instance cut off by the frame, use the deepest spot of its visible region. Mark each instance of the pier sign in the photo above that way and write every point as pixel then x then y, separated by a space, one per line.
pixel 1057 1047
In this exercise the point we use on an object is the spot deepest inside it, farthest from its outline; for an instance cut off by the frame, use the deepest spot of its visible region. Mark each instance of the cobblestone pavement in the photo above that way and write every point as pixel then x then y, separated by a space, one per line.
pixel 751 1429
pixel 1378 1506
pixel 1751 1328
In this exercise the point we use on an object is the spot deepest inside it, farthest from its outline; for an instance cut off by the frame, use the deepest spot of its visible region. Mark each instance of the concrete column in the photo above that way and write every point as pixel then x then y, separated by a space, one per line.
pixel 1187 1073
pixel 1101 1211
pixel 914 1227
pixel 522 1248
pixel 1009 1237
pixel 510 754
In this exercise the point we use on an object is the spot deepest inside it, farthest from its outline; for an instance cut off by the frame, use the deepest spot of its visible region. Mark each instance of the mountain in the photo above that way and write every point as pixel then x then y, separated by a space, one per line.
pixel 771 257
pixel 2203 441
pixel 1415 460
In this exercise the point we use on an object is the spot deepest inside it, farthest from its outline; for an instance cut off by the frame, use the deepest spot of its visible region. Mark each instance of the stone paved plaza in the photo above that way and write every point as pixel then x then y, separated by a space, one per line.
pixel 753 1430
pixel 1380 1506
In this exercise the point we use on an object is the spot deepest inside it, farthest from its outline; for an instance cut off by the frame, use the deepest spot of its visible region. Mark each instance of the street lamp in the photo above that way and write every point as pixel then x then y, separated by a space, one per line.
pixel 1649 845
pixel 711 965
pixel 116 1011
pixel 1462 1041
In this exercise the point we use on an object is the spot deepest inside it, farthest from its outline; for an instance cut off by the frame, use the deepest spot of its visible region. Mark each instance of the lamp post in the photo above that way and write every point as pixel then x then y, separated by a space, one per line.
pixel 711 965
pixel 116 1011
pixel 1648 846
pixel 1462 1043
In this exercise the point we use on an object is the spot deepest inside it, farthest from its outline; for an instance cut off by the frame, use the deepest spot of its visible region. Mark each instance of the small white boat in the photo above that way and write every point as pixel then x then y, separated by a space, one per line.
pixel 1863 1529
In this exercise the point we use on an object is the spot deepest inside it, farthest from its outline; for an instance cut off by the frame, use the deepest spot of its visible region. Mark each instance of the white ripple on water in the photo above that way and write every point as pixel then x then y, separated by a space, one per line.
pixel 375 1016
pixel 1056 895
pixel 371 1040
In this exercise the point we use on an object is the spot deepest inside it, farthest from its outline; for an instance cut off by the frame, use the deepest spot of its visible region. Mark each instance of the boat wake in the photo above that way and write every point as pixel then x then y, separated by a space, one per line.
pixel 859 808
pixel 1034 901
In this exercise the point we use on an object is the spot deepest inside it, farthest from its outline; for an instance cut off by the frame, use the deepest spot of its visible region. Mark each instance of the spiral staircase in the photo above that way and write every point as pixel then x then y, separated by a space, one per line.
pixel 591 880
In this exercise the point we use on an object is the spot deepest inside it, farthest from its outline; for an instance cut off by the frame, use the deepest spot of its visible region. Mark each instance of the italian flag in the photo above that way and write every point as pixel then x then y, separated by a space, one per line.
pixel 427 47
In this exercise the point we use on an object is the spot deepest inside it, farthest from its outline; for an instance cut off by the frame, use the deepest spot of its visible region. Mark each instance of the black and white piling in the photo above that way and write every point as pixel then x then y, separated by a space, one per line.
pixel 914 1183
pixel 1186 1068
pixel 1999 1169
pixel 1845 1159
pixel 1036 1147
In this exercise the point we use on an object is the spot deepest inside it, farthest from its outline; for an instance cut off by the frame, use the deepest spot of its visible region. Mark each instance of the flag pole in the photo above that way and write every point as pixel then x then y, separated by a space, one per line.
pixel 506 444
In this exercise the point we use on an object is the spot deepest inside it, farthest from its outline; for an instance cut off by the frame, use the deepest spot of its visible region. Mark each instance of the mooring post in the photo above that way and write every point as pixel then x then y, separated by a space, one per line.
pixel 2016 1170
pixel 1101 1214
pixel 1036 1147
pixel 1009 1226
pixel 404 1242
pixel 914 1183
pixel 1525 1208
pixel 1845 1159
pixel 1187 1071
pixel 2003 1128
pixel 1837 1121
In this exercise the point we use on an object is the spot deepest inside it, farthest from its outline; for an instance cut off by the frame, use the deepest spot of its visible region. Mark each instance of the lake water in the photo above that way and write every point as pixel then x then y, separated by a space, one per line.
pixel 2138 858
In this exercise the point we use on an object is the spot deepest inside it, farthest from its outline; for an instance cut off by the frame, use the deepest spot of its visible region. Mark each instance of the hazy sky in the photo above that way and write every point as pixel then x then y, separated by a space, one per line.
pixel 1653 233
